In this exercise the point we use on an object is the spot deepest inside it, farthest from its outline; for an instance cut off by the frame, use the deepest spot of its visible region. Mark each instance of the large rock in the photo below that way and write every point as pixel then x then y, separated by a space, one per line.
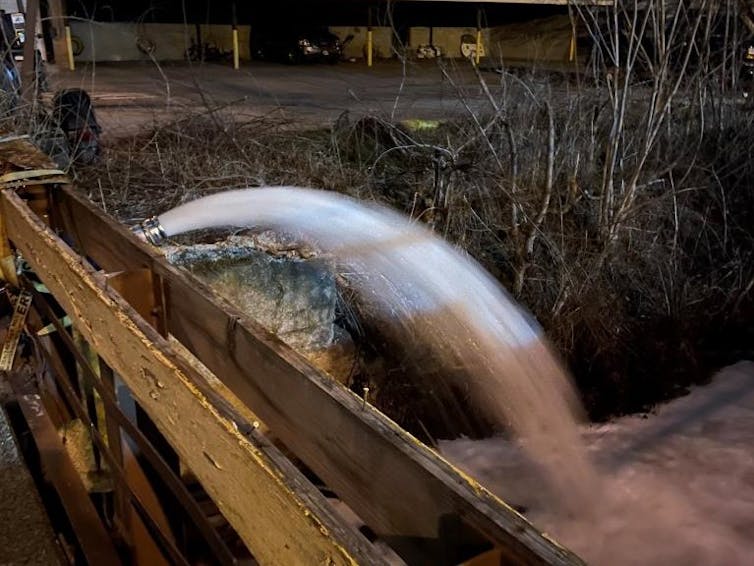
pixel 284 287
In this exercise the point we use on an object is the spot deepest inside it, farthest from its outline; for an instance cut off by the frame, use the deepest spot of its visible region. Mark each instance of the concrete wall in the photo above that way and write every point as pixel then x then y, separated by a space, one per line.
pixel 104 41
pixel 547 39
pixel 117 41
pixel 381 41
pixel 9 6
pixel 446 38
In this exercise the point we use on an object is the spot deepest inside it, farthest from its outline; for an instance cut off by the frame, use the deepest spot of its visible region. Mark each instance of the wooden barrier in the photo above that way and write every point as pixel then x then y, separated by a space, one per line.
pixel 413 499
pixel 281 517
pixel 427 510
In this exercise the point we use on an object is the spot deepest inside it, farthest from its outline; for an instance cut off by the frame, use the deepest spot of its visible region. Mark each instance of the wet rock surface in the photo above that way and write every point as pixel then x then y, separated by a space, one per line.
pixel 283 286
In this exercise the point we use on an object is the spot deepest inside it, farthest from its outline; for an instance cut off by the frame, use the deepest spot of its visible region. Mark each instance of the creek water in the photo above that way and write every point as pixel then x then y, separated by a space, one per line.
pixel 437 295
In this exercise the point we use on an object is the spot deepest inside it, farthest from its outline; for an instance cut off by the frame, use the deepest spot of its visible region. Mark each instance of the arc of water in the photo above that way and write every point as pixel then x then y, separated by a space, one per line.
pixel 435 293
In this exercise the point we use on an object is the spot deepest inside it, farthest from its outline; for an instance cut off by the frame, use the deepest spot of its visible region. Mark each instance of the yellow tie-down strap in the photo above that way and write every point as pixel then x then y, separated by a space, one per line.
pixel 32 177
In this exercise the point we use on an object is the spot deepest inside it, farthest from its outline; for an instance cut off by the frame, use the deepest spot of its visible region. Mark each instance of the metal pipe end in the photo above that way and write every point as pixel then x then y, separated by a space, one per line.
pixel 151 231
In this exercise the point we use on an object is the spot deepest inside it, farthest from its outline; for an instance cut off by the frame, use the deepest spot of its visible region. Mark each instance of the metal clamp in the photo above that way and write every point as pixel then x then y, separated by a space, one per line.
pixel 150 230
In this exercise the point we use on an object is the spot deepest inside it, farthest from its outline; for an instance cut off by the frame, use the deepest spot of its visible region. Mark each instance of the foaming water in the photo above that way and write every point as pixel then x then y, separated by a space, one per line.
pixel 438 296
pixel 678 484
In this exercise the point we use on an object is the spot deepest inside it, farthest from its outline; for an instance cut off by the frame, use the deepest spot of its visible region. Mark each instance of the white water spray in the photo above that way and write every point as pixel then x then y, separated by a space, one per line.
pixel 435 294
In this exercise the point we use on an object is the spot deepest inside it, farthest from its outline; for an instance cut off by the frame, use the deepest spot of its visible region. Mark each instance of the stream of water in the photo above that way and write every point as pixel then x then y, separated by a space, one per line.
pixel 440 296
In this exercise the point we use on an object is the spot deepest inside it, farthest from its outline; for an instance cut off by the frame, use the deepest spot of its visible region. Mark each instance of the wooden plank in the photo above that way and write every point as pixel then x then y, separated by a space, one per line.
pixel 115 445
pixel 404 491
pixel 96 236
pixel 142 291
pixel 57 23
pixel 59 470
pixel 145 549
pixel 19 155
pixel 278 514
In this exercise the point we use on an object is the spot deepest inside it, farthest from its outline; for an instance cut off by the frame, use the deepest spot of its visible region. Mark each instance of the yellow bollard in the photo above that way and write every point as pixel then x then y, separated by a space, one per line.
pixel 369 47
pixel 69 48
pixel 236 55
pixel 478 52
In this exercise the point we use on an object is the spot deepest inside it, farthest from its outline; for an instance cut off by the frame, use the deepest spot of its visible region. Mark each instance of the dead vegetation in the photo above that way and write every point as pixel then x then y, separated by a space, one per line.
pixel 618 208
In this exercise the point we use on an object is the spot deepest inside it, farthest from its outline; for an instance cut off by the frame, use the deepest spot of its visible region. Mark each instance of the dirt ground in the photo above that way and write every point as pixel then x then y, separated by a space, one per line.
pixel 130 95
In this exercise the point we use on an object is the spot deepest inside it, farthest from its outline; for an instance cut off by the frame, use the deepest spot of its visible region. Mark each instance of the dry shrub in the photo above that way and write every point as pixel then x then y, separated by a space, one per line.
pixel 619 212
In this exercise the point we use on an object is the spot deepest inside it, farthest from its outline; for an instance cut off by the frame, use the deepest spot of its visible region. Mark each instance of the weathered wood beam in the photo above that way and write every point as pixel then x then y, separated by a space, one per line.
pixel 28 68
pixel 277 513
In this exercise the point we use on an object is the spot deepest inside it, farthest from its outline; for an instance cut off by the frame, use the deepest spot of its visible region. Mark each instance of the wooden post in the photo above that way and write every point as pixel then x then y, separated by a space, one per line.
pixel 57 27
pixel 28 71
pixel 116 449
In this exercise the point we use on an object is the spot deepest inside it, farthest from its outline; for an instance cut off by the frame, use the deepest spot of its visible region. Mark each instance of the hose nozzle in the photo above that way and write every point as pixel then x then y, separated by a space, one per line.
pixel 150 230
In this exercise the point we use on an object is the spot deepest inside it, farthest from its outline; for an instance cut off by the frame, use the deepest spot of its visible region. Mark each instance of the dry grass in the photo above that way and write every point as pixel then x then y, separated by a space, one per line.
pixel 619 211
pixel 634 321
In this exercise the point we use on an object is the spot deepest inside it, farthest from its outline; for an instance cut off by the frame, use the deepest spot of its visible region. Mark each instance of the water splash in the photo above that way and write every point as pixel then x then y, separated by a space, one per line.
pixel 438 295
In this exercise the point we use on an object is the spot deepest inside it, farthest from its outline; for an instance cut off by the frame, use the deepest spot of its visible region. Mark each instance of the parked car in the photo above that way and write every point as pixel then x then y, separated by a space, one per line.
pixel 296 45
